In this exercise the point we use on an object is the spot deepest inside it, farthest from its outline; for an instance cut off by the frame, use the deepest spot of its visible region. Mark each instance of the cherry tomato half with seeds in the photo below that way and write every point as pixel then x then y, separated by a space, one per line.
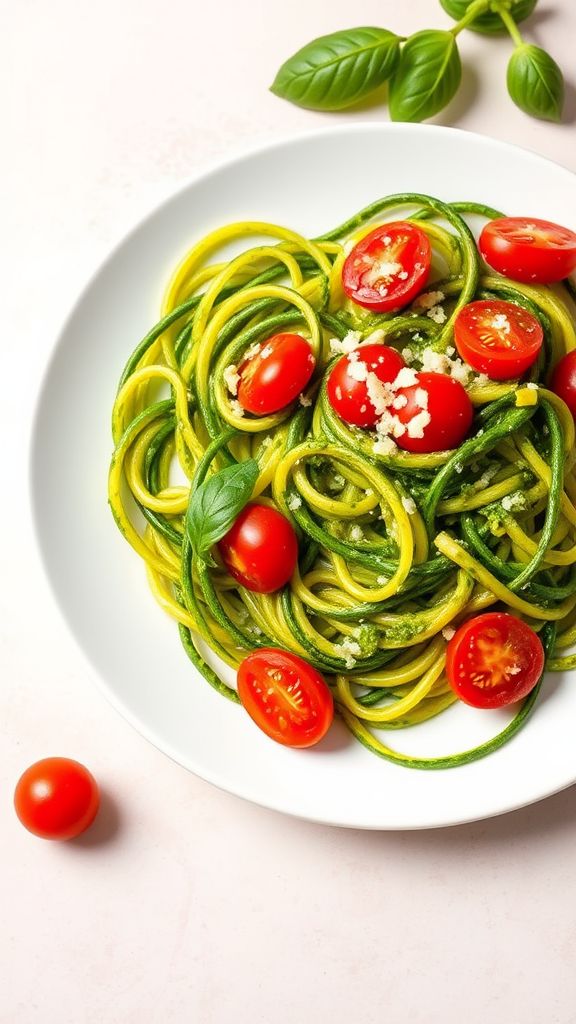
pixel 498 338
pixel 437 413
pixel 563 381
pixel 349 384
pixel 493 660
pixel 529 249
pixel 260 550
pixel 286 697
pixel 56 798
pixel 388 267
pixel 276 374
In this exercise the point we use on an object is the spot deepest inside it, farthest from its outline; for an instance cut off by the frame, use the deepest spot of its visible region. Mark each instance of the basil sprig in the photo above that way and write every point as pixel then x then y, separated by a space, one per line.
pixel 427 76
pixel 215 504
pixel 535 82
pixel 424 70
pixel 336 70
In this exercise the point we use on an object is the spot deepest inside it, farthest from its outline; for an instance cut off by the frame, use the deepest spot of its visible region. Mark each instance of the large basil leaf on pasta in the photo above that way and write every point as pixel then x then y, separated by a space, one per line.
pixel 335 71
pixel 215 504
pixel 427 76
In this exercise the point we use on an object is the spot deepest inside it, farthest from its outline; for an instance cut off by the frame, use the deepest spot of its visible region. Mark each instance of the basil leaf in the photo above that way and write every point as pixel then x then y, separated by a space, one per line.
pixel 427 76
pixel 336 70
pixel 216 503
pixel 489 23
pixel 535 82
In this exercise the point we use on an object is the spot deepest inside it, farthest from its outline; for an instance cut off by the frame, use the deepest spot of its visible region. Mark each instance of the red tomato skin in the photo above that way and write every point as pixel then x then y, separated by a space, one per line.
pixel 300 719
pixel 269 384
pixel 260 550
pixel 348 396
pixel 466 660
pixel 450 409
pixel 563 382
pixel 525 336
pixel 56 798
pixel 533 262
pixel 408 246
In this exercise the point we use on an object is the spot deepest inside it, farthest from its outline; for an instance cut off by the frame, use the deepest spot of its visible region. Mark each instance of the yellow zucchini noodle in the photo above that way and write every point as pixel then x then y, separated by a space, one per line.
pixel 396 549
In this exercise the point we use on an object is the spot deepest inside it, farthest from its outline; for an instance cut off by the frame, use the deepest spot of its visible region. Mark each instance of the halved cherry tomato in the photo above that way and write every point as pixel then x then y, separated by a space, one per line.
pixel 348 385
pixel 529 249
pixel 260 550
pixel 56 798
pixel 437 414
pixel 494 660
pixel 276 374
pixel 563 381
pixel 388 267
pixel 498 338
pixel 287 698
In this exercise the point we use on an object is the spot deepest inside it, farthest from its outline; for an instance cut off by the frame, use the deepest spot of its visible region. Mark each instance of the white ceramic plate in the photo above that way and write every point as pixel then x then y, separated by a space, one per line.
pixel 309 183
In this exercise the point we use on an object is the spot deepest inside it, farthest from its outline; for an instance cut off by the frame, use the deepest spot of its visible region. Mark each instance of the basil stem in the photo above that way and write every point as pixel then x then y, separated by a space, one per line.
pixel 483 18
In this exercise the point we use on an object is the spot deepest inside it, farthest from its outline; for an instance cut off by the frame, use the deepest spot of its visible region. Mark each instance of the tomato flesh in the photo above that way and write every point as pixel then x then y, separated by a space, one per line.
pixel 260 550
pixel 493 660
pixel 286 697
pixel 388 267
pixel 348 384
pixel 498 338
pixel 437 413
pixel 56 798
pixel 275 375
pixel 563 381
pixel 529 249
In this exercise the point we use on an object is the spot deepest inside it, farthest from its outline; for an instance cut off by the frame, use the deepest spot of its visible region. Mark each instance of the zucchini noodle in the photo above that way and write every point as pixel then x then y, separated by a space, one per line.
pixel 395 549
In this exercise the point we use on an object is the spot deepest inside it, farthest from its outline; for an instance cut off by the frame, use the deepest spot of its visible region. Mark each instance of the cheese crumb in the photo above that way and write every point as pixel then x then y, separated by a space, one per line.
pixel 379 393
pixel 428 300
pixel 253 350
pixel 293 502
pixel 409 505
pixel 418 424
pixel 448 632
pixel 356 534
pixel 421 398
pixel 384 446
pixel 501 323
pixel 349 342
pixel 357 370
pixel 305 401
pixel 406 378
pixel 236 407
pixel 266 351
pixel 231 378
pixel 381 270
pixel 407 355
pixel 400 402
pixel 437 314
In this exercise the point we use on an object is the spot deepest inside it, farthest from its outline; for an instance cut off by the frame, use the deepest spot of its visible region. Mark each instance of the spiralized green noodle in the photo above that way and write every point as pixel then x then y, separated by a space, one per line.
pixel 394 548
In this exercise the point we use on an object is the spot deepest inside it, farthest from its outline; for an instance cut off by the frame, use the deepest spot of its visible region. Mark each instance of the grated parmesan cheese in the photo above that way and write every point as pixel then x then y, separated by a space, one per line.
pixel 304 400
pixel 448 632
pixel 231 378
pixel 409 505
pixel 293 502
pixel 236 407
pixel 418 423
pixel 437 314
pixel 428 300
pixel 349 342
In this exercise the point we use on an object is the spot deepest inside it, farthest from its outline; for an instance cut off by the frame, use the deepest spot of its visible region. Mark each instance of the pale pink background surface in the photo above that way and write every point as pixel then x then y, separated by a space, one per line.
pixel 183 903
